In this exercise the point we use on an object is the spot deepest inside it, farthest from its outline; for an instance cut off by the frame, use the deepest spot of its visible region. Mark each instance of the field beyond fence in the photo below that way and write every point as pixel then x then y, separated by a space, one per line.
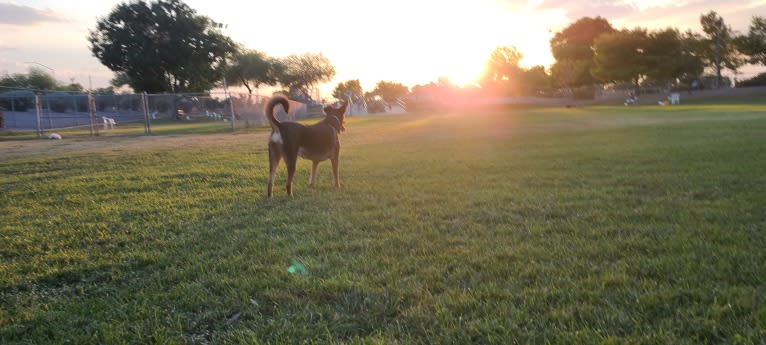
pixel 39 113
pixel 586 225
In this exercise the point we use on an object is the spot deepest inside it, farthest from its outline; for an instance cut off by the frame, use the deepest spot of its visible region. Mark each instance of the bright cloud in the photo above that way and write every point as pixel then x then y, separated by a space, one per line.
pixel 13 14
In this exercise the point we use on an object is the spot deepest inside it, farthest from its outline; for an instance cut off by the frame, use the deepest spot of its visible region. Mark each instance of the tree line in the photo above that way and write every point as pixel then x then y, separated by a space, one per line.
pixel 166 46
pixel 591 51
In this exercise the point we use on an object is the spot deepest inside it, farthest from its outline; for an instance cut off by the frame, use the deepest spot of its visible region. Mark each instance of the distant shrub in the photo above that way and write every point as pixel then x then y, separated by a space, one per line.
pixel 130 102
pixel 17 100
pixel 59 101
pixel 103 102
pixel 81 101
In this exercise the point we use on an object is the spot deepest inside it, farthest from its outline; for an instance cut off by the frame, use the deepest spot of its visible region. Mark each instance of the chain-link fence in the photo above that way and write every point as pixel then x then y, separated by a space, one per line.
pixel 80 114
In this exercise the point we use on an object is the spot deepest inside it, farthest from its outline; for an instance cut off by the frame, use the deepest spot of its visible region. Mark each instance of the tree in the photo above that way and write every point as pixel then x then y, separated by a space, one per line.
pixel 163 46
pixel 619 57
pixel 300 72
pixel 120 79
pixel 252 69
pixel 109 90
pixel 571 73
pixel 502 73
pixel 754 44
pixel 719 51
pixel 573 50
pixel 72 87
pixel 534 79
pixel 390 91
pixel 34 79
pixel 503 64
pixel 692 56
pixel 669 56
pixel 350 88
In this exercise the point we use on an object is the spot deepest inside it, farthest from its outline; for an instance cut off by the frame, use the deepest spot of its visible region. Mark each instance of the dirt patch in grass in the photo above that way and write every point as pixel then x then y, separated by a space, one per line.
pixel 38 148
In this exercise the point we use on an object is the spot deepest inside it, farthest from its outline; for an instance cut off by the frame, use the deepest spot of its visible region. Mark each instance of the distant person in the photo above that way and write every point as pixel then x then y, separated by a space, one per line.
pixel 631 98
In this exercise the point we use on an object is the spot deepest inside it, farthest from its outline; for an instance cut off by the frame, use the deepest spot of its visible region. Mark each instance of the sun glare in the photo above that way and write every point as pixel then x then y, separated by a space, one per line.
pixel 414 43
pixel 488 28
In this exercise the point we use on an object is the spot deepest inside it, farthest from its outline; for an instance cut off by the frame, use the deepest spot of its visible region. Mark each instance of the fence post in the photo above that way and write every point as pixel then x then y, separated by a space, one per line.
pixel 92 113
pixel 147 119
pixel 231 103
pixel 50 118
pixel 233 116
pixel 38 110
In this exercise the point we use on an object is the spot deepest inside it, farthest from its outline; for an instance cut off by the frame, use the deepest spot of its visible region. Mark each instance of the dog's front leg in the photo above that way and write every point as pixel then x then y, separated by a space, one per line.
pixel 335 160
pixel 335 178
pixel 313 179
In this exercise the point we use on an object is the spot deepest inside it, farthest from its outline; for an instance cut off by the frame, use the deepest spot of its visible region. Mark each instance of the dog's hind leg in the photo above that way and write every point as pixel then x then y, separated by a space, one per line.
pixel 313 179
pixel 275 155
pixel 290 161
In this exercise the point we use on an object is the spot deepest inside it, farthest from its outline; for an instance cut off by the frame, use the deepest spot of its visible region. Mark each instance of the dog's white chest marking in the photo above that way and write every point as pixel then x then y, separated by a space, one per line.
pixel 276 138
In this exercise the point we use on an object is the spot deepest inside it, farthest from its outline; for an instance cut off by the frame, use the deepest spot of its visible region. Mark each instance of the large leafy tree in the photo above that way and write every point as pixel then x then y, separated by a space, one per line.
pixel 571 73
pixel 252 69
pixel 663 56
pixel 503 64
pixel 754 43
pixel 573 50
pixel 350 88
pixel 300 72
pixel 620 57
pixel 162 46
pixel 120 79
pixel 670 56
pixel 390 91
pixel 534 79
pixel 691 56
pixel 502 72
pixel 719 51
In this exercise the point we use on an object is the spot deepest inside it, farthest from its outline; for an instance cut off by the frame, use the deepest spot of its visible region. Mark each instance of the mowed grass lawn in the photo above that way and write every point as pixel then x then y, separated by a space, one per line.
pixel 594 225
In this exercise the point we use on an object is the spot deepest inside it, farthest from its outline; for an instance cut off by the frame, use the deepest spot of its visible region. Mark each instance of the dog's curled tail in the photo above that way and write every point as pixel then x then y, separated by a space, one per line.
pixel 270 109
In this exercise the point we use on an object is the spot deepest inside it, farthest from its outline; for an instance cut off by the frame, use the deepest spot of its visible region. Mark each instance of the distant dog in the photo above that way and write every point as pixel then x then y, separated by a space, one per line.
pixel 315 142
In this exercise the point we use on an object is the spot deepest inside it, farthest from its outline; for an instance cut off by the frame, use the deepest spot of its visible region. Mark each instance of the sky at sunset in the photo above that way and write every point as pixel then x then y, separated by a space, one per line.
pixel 411 42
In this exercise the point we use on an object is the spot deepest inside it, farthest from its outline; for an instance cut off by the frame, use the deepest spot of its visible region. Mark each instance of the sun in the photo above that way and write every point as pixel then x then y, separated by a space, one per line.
pixel 464 60
pixel 455 42
pixel 467 69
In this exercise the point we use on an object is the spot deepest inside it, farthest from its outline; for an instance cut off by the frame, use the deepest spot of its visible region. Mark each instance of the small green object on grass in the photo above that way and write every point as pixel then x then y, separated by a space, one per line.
pixel 297 267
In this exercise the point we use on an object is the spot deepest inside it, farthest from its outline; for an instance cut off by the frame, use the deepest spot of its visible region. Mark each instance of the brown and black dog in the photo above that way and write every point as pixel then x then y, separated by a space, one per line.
pixel 315 142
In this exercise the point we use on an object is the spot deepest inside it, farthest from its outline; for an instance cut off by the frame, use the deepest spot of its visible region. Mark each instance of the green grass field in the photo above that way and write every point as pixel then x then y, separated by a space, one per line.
pixel 598 225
